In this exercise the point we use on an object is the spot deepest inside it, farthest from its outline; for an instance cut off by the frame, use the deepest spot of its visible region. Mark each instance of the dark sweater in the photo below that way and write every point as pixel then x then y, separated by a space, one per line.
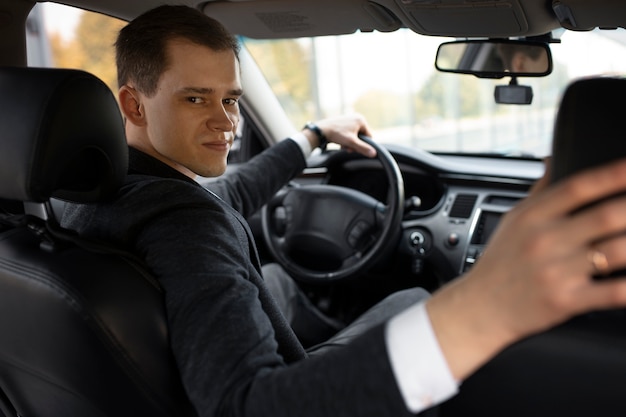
pixel 236 353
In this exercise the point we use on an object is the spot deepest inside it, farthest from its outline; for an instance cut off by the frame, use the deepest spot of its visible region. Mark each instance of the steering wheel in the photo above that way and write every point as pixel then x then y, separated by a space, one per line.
pixel 326 233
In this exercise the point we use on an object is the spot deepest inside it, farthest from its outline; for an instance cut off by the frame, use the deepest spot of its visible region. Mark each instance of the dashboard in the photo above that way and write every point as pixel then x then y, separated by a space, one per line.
pixel 453 203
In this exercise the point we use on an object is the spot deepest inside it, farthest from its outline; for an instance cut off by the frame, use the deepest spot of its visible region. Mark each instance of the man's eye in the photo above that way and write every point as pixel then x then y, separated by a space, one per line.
pixel 195 100
pixel 231 101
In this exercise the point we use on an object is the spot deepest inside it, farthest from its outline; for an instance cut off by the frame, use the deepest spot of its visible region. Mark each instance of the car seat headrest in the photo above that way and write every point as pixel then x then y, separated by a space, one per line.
pixel 62 136
pixel 590 127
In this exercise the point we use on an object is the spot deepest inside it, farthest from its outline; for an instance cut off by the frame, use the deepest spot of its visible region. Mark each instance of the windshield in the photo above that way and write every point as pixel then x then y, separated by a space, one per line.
pixel 391 79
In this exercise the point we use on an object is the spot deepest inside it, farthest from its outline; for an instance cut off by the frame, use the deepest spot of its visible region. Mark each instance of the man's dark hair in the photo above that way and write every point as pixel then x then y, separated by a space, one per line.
pixel 141 45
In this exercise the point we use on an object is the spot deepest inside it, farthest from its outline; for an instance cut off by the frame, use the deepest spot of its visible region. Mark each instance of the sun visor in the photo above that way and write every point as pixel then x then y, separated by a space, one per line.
pixel 462 18
pixel 274 19
pixel 590 14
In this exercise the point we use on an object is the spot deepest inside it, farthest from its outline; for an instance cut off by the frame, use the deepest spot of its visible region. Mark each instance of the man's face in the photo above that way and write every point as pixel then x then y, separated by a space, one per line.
pixel 521 62
pixel 190 121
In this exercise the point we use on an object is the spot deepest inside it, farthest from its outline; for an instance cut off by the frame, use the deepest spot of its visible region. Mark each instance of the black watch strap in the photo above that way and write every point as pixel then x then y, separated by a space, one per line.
pixel 318 132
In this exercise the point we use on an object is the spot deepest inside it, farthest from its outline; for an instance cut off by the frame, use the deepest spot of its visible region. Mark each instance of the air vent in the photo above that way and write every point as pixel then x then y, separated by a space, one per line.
pixel 501 200
pixel 463 206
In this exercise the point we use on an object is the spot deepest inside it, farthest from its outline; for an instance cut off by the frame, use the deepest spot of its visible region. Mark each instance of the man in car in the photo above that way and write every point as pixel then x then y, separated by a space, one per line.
pixel 179 89
pixel 523 58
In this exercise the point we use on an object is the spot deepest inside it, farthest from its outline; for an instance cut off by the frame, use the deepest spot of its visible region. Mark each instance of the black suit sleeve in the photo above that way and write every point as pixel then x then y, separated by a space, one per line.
pixel 253 183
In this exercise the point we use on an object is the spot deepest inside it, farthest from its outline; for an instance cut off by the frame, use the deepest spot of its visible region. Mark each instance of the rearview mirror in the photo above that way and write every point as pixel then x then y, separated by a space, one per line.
pixel 495 58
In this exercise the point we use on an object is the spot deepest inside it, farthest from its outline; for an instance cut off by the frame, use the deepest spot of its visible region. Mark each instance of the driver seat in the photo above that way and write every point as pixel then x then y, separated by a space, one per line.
pixel 82 325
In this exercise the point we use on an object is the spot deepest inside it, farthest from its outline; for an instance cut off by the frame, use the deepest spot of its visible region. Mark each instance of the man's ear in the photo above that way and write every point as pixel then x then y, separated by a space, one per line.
pixel 131 106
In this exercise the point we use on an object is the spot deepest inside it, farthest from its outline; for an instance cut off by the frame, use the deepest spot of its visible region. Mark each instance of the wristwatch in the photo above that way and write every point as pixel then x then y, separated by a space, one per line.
pixel 318 132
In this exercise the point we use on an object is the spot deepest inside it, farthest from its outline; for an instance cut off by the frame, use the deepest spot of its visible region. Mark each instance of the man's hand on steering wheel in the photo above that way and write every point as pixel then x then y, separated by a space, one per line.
pixel 342 130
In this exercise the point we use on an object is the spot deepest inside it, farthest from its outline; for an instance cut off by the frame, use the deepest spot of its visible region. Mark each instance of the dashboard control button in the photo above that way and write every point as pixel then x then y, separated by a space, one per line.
pixel 453 239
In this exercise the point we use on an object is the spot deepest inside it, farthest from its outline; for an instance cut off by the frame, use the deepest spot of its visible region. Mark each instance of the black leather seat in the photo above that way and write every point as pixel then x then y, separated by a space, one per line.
pixel 82 325
pixel 578 368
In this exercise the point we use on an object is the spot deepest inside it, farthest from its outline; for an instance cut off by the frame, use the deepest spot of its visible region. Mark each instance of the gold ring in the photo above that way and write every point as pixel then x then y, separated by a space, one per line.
pixel 598 261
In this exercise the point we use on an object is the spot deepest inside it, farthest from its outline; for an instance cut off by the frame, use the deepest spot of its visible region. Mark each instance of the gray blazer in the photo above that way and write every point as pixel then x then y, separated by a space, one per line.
pixel 236 354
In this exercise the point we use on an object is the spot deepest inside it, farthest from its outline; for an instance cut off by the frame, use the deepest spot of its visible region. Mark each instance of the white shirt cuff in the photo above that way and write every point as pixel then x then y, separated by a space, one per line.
pixel 417 361
pixel 303 142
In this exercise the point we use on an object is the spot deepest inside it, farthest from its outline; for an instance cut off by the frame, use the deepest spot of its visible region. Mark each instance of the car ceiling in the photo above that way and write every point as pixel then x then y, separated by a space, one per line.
pixel 299 18
pixel 458 18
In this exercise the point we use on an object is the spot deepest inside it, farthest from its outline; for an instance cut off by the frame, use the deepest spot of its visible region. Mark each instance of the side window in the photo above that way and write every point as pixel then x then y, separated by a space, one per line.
pixel 248 142
pixel 64 37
